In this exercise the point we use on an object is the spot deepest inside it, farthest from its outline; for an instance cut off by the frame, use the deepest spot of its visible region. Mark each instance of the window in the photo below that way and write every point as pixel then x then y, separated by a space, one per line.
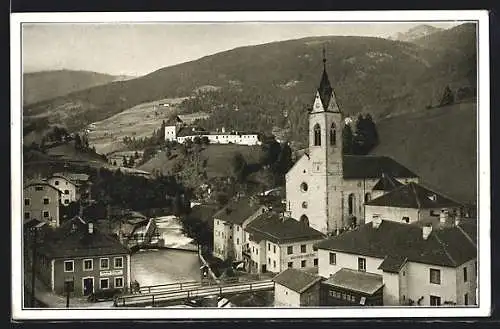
pixel 304 220
pixel 66 201
pixel 104 264
pixel 361 264
pixel 66 191
pixel 351 201
pixel 303 263
pixel 269 261
pixel 406 219
pixel 69 266
pixel 465 274
pixel 435 276
pixel 104 283
pixel 289 250
pixel 317 135
pixel 27 215
pixel 256 251
pixel 303 248
pixel 118 262
pixel 56 182
pixel 368 197
pixel 119 282
pixel 333 134
pixel 45 200
pixel 303 187
pixel 274 249
pixel 237 241
pixel 237 228
pixel 46 214
pixel 333 258
pixel 26 202
pixel 304 204
pixel 268 246
pixel 217 222
pixel 290 264
pixel 88 264
pixel 38 188
pixel 466 299
pixel 435 300
pixel 274 263
pixel 315 262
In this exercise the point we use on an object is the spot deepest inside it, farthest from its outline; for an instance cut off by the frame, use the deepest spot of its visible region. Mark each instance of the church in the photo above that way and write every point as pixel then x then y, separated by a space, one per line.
pixel 325 188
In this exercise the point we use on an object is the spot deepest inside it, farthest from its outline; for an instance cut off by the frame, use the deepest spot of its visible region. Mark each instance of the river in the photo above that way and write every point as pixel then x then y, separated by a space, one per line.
pixel 161 266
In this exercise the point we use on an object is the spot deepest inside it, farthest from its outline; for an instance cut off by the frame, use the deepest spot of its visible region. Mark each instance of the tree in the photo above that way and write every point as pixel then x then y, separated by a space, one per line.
pixel 283 163
pixel 448 97
pixel 205 140
pixel 197 140
pixel 347 139
pixel 136 155
pixel 131 162
pixel 78 142
pixel 238 167
pixel 270 151
pixel 124 162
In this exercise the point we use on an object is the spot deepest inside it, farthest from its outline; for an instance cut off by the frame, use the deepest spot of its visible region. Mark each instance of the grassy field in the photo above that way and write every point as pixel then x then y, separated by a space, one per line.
pixel 439 144
pixel 138 121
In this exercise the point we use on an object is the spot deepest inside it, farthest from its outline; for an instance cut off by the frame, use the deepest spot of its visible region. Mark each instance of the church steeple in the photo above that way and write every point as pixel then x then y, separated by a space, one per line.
pixel 325 88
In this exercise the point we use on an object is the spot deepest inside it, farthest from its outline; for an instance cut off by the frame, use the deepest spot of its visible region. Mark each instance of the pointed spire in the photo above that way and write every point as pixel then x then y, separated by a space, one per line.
pixel 325 89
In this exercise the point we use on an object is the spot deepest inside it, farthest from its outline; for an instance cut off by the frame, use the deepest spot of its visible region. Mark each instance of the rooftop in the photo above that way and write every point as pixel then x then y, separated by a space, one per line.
pixel 272 227
pixel 76 177
pixel 72 239
pixel 387 183
pixel 392 264
pixel 363 282
pixel 448 246
pixel 371 166
pixel 296 279
pixel 189 131
pixel 237 211
pixel 413 195
pixel 38 182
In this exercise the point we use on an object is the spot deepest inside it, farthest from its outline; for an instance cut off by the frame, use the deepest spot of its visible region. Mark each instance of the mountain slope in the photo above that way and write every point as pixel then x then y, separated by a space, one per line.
pixel 439 144
pixel 415 33
pixel 44 85
pixel 373 75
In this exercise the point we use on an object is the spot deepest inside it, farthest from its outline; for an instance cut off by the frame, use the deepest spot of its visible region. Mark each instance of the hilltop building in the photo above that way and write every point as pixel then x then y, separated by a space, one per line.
pixel 90 259
pixel 325 188
pixel 41 202
pixel 389 263
pixel 180 129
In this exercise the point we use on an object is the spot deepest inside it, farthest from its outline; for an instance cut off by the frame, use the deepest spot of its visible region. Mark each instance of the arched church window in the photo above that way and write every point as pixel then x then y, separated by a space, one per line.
pixel 368 197
pixel 317 135
pixel 333 134
pixel 351 201
pixel 304 220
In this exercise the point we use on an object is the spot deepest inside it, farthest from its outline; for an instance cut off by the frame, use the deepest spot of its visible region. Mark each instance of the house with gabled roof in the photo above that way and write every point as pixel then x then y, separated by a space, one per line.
pixel 412 202
pixel 41 202
pixel 73 186
pixel 296 288
pixel 275 242
pixel 390 263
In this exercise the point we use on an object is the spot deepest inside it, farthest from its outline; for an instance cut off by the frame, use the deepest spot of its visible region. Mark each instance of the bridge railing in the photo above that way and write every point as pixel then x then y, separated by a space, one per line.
pixel 152 298
pixel 180 286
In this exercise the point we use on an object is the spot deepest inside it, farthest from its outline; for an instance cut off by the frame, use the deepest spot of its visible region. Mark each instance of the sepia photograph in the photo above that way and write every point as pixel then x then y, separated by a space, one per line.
pixel 246 165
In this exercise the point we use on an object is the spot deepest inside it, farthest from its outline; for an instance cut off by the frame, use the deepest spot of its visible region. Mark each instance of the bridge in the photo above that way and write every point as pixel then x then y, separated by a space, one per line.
pixel 167 294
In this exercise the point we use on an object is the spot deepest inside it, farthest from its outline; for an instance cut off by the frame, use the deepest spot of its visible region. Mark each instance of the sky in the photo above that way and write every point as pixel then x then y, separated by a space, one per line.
pixel 141 48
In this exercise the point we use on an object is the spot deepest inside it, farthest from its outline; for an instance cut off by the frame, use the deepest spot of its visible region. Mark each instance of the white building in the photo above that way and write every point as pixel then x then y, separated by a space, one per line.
pixel 325 188
pixel 222 137
pixel 73 186
pixel 296 288
pixel 229 225
pixel 412 203
pixel 389 263
pixel 275 242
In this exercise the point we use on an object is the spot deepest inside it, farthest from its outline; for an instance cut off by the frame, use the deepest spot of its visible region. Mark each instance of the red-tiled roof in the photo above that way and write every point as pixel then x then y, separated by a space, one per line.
pixel 296 280
pixel 413 195
pixel 447 246
pixel 270 226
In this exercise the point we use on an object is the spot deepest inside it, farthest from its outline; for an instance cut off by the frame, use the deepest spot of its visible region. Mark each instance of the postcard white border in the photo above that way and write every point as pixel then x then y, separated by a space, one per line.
pixel 484 298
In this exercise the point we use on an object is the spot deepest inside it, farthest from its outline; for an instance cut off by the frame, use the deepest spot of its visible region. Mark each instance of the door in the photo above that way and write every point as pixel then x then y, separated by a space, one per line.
pixel 88 286
pixel 263 268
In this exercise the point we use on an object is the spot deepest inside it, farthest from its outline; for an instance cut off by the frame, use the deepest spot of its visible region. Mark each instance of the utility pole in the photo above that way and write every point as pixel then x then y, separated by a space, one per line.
pixel 33 265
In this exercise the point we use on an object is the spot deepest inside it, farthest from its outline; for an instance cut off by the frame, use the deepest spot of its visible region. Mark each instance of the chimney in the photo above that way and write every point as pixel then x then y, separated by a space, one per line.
pixel 443 216
pixel 376 221
pixel 91 228
pixel 426 231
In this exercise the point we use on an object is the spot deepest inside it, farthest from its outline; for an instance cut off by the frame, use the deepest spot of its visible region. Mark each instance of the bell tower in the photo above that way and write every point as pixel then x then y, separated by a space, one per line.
pixel 325 153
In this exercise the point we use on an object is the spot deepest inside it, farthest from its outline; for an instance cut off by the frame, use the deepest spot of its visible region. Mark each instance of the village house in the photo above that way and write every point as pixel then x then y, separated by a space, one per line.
pixel 296 288
pixel 411 203
pixel 229 224
pixel 325 188
pixel 275 242
pixel 391 263
pixel 79 252
pixel 41 201
pixel 74 186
